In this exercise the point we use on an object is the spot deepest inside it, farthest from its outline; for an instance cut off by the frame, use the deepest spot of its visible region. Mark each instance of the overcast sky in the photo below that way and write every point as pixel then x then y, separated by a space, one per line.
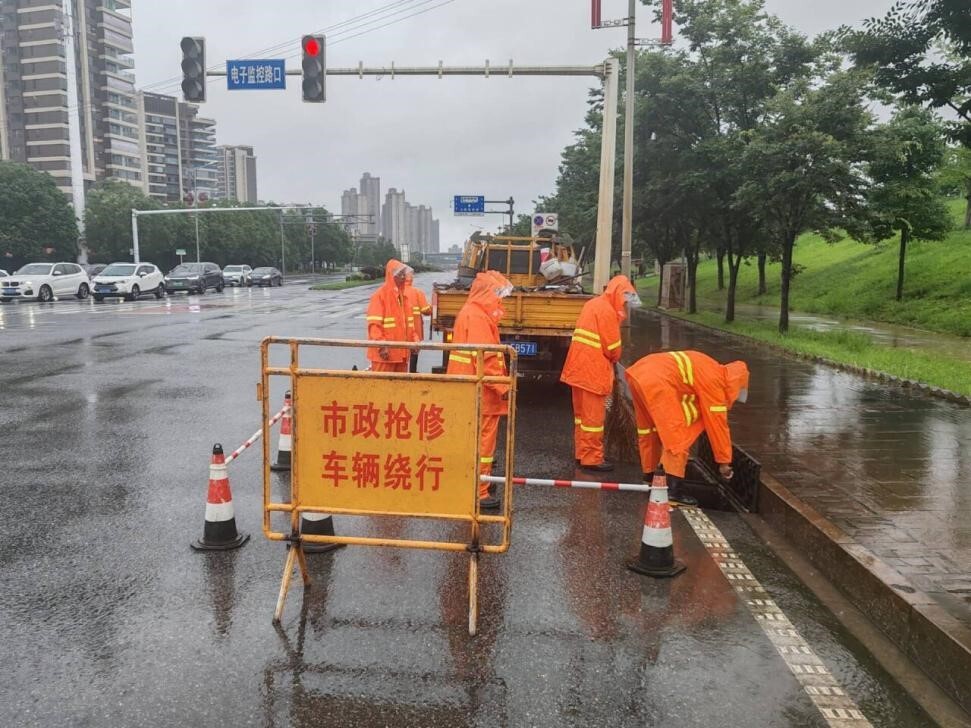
pixel 434 138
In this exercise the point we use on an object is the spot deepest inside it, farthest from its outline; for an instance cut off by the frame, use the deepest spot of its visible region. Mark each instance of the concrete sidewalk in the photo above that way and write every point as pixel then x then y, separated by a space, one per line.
pixel 872 481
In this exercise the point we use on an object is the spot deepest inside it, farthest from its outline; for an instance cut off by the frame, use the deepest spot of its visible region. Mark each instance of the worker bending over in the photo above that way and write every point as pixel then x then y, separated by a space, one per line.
pixel 387 320
pixel 589 368
pixel 416 305
pixel 677 396
pixel 478 323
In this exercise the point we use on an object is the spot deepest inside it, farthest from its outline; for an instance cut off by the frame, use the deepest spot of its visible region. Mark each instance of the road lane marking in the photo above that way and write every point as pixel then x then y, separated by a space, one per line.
pixel 836 707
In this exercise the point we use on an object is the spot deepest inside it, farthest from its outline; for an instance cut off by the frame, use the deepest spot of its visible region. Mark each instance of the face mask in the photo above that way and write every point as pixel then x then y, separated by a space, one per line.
pixel 504 292
pixel 742 396
pixel 632 299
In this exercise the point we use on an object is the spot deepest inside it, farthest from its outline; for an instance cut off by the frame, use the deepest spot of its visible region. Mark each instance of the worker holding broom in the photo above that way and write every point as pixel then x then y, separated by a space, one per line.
pixel 677 395
pixel 478 323
pixel 589 368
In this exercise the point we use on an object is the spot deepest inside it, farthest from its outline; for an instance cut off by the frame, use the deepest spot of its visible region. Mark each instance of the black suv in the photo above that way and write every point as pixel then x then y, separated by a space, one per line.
pixel 194 277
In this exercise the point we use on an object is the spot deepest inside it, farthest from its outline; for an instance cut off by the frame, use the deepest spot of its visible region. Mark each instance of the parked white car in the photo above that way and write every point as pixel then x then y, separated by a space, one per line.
pixel 238 275
pixel 128 281
pixel 3 273
pixel 44 281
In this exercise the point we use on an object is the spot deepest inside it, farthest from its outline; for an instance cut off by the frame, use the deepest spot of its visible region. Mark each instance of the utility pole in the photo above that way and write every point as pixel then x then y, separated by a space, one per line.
pixel 596 22
pixel 628 212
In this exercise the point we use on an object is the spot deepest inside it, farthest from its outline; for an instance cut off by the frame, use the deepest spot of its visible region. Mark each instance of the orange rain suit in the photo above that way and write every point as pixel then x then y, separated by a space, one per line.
pixel 477 323
pixel 589 367
pixel 387 321
pixel 417 306
pixel 677 396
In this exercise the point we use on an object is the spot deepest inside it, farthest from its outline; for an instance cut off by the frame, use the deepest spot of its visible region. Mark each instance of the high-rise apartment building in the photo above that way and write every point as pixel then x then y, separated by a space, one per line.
pixel 436 237
pixel 199 157
pixel 161 146
pixel 393 218
pixel 67 94
pixel 236 173
pixel 371 192
pixel 424 228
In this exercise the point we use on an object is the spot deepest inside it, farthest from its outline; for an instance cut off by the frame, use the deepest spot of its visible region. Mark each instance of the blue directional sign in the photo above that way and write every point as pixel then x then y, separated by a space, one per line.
pixel 469 205
pixel 257 75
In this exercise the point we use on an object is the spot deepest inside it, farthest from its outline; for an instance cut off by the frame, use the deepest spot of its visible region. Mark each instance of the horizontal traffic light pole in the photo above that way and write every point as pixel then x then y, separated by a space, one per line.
pixel 442 70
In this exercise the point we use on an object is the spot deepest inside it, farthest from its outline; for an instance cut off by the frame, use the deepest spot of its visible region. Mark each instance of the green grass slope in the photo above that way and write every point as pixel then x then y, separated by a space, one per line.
pixel 857 281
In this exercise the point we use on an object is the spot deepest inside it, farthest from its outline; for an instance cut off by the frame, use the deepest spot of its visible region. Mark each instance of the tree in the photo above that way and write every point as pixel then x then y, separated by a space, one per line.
pixel 34 216
pixel 955 178
pixel 920 51
pixel 805 168
pixel 107 222
pixel 907 153
pixel 739 58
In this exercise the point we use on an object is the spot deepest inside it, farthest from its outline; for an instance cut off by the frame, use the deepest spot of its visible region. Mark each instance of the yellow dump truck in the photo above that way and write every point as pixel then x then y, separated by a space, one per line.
pixel 543 309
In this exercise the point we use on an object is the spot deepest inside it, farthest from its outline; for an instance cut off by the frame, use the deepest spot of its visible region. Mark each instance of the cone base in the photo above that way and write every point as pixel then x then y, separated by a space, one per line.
pixel 277 467
pixel 235 543
pixel 656 571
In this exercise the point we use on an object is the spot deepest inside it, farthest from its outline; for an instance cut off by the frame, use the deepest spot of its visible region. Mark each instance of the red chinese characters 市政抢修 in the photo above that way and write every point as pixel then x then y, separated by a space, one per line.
pixel 393 421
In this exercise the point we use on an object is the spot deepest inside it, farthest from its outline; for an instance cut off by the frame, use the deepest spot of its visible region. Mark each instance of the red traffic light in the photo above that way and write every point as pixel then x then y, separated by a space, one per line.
pixel 310 46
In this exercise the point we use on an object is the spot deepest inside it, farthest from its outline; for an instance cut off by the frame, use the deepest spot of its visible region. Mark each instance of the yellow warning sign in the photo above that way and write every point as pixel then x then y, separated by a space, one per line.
pixel 386 445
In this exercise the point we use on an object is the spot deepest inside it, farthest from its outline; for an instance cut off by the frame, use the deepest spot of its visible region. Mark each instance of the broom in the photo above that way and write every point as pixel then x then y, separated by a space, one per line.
pixel 620 428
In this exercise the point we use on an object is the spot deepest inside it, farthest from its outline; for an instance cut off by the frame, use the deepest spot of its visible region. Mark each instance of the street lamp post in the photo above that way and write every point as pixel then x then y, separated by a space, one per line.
pixel 628 212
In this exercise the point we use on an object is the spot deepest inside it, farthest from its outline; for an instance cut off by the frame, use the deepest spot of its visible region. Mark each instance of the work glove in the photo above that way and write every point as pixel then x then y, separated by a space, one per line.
pixel 621 375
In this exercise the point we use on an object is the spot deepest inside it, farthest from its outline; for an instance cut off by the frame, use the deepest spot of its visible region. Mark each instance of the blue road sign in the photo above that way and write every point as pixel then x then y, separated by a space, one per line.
pixel 260 74
pixel 469 205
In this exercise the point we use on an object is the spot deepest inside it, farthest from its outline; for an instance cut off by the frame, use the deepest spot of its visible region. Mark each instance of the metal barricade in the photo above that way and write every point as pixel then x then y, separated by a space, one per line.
pixel 383 444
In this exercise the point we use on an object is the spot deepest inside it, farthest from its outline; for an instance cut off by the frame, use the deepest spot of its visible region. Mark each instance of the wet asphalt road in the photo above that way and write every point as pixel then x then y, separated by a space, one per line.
pixel 107 618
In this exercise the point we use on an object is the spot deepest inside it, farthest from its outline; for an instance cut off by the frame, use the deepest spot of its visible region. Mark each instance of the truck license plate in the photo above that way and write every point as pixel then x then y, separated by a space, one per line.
pixel 524 348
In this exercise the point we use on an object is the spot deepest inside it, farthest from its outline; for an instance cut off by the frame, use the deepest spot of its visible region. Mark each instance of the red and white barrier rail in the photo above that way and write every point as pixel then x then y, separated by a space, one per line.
pixel 629 487
pixel 256 436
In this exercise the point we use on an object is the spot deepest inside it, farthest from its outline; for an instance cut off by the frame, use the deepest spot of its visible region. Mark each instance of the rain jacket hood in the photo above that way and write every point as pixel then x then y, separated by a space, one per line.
pixel 483 293
pixel 736 379
pixel 615 294
pixel 393 266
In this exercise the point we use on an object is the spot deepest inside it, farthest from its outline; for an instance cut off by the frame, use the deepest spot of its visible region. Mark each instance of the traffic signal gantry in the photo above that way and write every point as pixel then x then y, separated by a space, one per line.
pixel 258 74
pixel 269 74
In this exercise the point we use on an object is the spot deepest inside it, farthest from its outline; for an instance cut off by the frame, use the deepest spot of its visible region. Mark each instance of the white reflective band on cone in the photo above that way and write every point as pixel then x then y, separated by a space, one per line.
pixel 660 537
pixel 285 442
pixel 216 512
pixel 217 471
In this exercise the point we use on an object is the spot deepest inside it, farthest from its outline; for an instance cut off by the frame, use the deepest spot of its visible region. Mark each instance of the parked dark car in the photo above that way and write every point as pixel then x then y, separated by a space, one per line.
pixel 267 277
pixel 194 278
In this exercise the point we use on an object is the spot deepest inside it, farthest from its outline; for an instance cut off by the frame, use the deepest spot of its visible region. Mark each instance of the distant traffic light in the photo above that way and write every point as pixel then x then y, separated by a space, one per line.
pixel 314 69
pixel 194 69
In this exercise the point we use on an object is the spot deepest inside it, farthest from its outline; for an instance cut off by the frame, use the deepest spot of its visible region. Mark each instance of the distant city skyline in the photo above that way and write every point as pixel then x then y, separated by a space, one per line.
pixel 410 228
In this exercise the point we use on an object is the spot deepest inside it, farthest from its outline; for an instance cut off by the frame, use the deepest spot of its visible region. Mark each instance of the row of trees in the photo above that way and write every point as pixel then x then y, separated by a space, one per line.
pixel 750 135
pixel 252 237
pixel 37 223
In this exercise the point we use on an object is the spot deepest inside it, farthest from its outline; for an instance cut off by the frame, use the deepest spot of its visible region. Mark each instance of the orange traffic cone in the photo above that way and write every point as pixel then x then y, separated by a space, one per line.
pixel 285 443
pixel 317 524
pixel 656 557
pixel 220 530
